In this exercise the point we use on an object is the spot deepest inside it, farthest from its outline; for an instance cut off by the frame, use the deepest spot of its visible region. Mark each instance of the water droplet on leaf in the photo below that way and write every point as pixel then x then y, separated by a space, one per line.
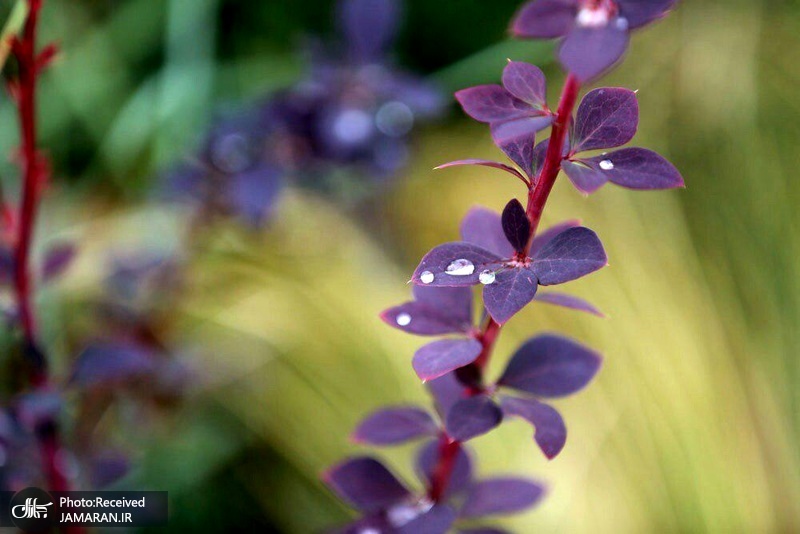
pixel 622 24
pixel 426 277
pixel 460 267
pixel 606 165
pixel 403 319
pixel 487 277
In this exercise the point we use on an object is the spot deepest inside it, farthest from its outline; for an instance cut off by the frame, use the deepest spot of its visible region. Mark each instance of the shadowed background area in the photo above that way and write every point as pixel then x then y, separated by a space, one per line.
pixel 693 424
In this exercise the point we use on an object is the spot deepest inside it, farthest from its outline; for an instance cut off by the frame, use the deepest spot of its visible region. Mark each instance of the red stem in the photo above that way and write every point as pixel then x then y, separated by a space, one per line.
pixel 448 452
pixel 537 195
pixel 537 198
pixel 25 52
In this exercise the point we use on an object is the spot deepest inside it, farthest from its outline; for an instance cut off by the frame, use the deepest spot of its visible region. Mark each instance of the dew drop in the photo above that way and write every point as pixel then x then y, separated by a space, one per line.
pixel 369 530
pixel 622 24
pixel 460 267
pixel 403 319
pixel 426 277
pixel 487 277
pixel 606 165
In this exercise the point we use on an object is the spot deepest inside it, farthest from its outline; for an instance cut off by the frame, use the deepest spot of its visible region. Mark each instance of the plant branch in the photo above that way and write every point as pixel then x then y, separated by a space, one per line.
pixel 537 198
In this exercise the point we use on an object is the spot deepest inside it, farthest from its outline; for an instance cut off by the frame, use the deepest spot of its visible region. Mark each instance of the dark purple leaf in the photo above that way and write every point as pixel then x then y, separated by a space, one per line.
pixel 589 52
pixel 37 407
pixel 365 484
pixel 440 357
pixel 375 522
pixel 550 432
pixel 473 417
pixel 6 264
pixel 435 311
pixel 607 118
pixel 461 476
pixel 255 192
pixel 526 82
pixel 483 227
pixel 446 390
pixel 512 289
pixel 455 302
pixel 636 168
pixel 484 163
pixel 453 264
pixel 551 233
pixel 571 255
pixel 493 103
pixel 568 301
pixel 516 226
pixel 369 25
pixel 395 425
pixel 501 496
pixel 105 364
pixel 640 12
pixel 437 520
pixel 520 150
pixel 545 19
pixel 57 260
pixel 519 131
pixel 551 366
pixel 586 179
pixel 108 467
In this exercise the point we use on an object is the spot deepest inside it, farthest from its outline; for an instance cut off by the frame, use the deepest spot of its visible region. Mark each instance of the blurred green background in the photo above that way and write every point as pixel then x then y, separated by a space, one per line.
pixel 693 424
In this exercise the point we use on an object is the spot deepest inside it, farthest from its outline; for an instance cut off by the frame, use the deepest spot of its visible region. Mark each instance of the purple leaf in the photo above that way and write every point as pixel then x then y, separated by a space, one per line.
pixel 551 233
pixel 255 192
pixel 526 82
pixel 473 417
pixel 589 52
pixel 391 426
pixel 568 301
pixel 520 150
pixel 375 522
pixel 493 103
pixel 571 255
pixel 369 25
pixel 436 311
pixel 607 118
pixel 516 226
pixel 365 484
pixel 415 318
pixel 551 366
pixel 636 168
pixel 108 467
pixel 446 390
pixel 483 227
pixel 501 496
pixel 638 12
pixel 461 476
pixel 550 432
pixel 511 291
pixel 545 19
pixel 484 163
pixel 105 364
pixel 57 260
pixel 453 264
pixel 440 357
pixel 586 179
pixel 437 520
pixel 519 131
